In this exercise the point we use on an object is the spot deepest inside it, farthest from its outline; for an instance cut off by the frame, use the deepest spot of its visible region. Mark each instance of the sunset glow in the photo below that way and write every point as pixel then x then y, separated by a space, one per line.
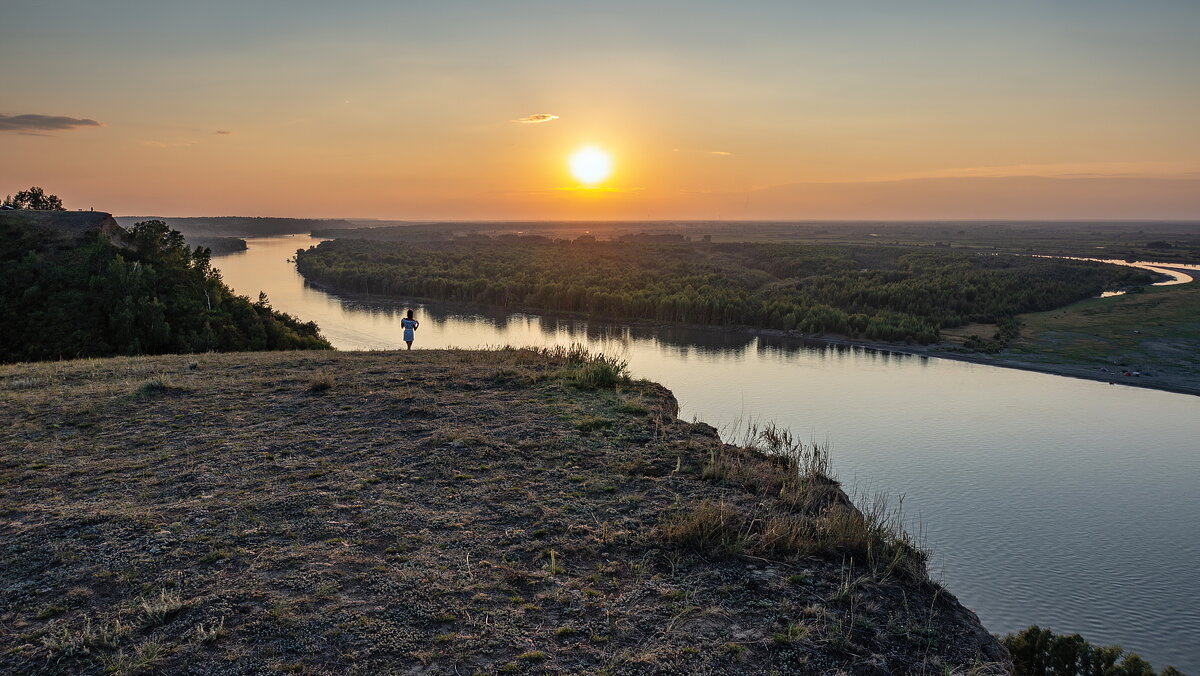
pixel 814 110
pixel 590 165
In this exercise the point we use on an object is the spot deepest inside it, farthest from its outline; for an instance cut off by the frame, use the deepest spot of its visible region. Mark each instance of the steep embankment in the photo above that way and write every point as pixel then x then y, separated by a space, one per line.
pixel 431 512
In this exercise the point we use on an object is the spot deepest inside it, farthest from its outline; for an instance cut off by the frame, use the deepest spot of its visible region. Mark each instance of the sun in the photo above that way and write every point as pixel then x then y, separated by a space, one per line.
pixel 590 165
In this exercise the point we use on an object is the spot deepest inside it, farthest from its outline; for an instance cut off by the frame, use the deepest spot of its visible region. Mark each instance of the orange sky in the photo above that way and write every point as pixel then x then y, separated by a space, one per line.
pixel 773 110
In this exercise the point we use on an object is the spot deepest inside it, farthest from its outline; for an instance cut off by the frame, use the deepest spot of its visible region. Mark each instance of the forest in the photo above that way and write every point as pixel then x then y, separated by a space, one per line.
pixel 141 292
pixel 885 293
pixel 239 226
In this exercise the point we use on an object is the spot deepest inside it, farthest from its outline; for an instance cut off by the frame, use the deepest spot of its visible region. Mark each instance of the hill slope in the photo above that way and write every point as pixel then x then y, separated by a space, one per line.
pixel 430 512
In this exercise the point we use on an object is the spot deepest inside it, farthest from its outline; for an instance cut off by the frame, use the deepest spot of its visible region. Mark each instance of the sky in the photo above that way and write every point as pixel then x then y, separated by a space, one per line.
pixel 708 110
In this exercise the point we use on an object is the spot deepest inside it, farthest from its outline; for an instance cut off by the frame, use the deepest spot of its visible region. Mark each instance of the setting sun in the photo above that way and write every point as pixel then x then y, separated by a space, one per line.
pixel 590 165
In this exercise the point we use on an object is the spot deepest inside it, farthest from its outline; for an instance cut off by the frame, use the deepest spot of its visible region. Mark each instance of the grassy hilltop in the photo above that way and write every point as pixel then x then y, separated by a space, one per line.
pixel 433 512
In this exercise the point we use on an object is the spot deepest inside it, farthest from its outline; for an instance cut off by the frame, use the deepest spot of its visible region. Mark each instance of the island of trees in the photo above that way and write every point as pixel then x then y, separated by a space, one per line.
pixel 868 292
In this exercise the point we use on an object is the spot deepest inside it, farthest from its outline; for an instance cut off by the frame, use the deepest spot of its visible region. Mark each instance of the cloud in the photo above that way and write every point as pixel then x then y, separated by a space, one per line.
pixel 36 123
pixel 537 118
pixel 169 144
pixel 222 132
pixel 720 152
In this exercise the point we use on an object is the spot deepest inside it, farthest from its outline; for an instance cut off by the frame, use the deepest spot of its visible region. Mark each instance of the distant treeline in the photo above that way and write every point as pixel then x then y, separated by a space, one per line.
pixel 141 292
pixel 219 245
pixel 873 292
pixel 239 226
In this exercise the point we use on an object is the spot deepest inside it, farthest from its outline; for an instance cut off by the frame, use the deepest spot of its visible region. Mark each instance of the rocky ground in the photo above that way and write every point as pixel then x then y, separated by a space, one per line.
pixel 433 512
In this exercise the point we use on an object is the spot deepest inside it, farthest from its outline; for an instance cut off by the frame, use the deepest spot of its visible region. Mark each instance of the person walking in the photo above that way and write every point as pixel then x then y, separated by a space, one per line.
pixel 410 326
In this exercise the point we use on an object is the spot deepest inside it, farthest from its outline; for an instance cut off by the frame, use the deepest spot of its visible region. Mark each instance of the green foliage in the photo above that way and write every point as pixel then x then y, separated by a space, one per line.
pixel 874 292
pixel 36 199
pixel 146 294
pixel 1041 652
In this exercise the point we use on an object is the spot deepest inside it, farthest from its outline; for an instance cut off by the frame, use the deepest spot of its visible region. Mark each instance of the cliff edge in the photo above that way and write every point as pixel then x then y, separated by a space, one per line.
pixel 433 512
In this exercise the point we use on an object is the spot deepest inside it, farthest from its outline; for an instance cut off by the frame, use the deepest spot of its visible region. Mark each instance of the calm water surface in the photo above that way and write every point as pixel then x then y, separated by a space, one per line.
pixel 1067 503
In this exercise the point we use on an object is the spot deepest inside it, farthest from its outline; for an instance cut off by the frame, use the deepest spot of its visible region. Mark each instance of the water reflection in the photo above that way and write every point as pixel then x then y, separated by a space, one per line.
pixel 1049 500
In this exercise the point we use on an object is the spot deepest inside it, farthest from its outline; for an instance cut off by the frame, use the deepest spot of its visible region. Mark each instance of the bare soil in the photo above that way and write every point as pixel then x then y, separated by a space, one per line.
pixel 425 512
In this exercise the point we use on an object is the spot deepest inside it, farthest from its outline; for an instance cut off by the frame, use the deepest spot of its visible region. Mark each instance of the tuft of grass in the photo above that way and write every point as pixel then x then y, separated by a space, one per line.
pixel 809 513
pixel 874 534
pixel 533 656
pixel 793 633
pixel 67 642
pixel 156 610
pixel 144 658
pixel 321 381
pixel 210 633
pixel 769 461
pixel 159 384
pixel 553 566
pixel 591 423
pixel 585 369
pixel 708 527
pixel 633 407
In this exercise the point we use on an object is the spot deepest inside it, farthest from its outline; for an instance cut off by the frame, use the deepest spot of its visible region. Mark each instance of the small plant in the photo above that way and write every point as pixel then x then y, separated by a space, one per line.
pixel 709 527
pixel 553 566
pixel 144 658
pixel 156 610
pixel 91 636
pixel 321 381
pixel 633 407
pixel 212 632
pixel 159 384
pixel 533 656
pixel 591 423
pixel 792 633
pixel 49 611
pixel 601 373
pixel 586 370
pixel 1036 651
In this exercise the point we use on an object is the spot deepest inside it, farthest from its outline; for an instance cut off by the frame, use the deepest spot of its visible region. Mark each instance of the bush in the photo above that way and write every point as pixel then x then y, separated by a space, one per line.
pixel 1041 652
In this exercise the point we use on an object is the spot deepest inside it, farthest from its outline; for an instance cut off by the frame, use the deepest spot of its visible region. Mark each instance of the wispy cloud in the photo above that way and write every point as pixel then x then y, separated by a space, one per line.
pixel 1065 170
pixel 36 123
pixel 536 118
pixel 169 144
pixel 223 132
pixel 720 152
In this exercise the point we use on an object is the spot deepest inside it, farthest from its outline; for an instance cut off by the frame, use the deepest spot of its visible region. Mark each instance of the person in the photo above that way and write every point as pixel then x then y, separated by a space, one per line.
pixel 409 325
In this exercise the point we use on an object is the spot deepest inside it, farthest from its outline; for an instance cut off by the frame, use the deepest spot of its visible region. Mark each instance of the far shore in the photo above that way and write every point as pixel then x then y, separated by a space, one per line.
pixel 1154 382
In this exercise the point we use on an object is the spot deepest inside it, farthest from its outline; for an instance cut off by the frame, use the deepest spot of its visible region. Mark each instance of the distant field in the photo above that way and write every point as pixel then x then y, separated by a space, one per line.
pixel 1155 332
pixel 1170 241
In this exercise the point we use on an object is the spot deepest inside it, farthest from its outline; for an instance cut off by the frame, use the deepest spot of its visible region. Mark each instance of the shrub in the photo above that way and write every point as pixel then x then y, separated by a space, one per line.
pixel 320 381
pixel 1041 652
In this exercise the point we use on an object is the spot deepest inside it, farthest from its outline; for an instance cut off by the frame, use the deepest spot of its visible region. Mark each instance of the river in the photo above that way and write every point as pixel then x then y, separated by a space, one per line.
pixel 1067 503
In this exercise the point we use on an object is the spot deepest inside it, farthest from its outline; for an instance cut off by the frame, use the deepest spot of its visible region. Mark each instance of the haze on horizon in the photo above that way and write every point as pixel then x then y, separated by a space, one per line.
pixel 709 110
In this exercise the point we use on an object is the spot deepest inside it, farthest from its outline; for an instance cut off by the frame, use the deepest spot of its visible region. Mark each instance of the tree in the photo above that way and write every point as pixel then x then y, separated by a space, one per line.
pixel 36 199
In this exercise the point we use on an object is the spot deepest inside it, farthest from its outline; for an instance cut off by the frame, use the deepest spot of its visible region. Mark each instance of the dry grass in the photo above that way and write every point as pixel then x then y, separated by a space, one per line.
pixel 807 513
pixel 321 381
pixel 236 519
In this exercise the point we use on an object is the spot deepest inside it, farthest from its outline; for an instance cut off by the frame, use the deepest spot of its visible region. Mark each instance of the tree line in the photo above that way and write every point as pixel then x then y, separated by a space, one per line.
pixel 146 292
pixel 873 292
